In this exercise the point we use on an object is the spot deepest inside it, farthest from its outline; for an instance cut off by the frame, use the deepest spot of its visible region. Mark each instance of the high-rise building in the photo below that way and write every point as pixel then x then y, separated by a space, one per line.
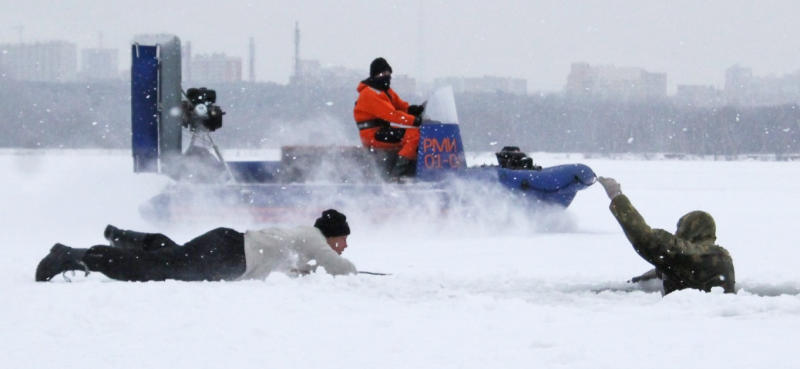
pixel 297 68
pixel 215 68
pixel 186 61
pixel 743 88
pixel 312 72
pixel 737 84
pixel 486 84
pixel 611 82
pixel 699 95
pixel 252 60
pixel 99 64
pixel 52 61
pixel 404 85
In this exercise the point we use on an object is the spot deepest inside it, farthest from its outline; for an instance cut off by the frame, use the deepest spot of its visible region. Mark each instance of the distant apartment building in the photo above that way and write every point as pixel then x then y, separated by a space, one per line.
pixel 186 61
pixel 305 71
pixel 491 84
pixel 699 95
pixel 616 83
pixel 404 85
pixel 52 61
pixel 310 71
pixel 99 64
pixel 743 88
pixel 738 81
pixel 214 68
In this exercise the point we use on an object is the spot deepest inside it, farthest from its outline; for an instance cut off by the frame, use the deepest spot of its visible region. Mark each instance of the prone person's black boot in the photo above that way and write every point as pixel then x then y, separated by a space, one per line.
pixel 123 238
pixel 60 259
pixel 128 239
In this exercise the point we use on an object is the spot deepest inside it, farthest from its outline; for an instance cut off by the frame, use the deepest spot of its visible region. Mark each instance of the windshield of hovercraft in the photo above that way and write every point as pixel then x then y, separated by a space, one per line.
pixel 441 106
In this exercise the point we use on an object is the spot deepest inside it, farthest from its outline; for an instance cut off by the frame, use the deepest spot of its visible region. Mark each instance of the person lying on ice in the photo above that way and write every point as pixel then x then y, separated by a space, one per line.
pixel 220 254
pixel 377 107
pixel 687 259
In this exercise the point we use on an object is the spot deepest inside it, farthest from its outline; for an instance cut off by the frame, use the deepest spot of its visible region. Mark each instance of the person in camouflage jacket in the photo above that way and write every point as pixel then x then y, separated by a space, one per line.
pixel 687 259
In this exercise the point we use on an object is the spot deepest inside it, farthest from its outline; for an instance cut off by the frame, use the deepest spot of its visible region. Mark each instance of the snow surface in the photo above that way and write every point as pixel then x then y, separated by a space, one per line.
pixel 461 295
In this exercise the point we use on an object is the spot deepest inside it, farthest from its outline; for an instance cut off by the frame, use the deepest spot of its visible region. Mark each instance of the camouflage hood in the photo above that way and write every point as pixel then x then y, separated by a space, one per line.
pixel 697 227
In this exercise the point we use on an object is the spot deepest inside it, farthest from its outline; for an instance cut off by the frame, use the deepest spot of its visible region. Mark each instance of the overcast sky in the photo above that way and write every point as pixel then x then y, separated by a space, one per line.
pixel 692 41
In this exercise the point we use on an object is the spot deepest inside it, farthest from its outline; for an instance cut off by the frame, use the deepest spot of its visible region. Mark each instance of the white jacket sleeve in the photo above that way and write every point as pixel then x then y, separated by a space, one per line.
pixel 299 250
pixel 313 252
pixel 332 262
pixel 266 251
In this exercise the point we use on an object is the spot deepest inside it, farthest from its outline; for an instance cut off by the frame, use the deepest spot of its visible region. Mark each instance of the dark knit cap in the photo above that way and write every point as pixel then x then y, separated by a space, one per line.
pixel 332 224
pixel 379 65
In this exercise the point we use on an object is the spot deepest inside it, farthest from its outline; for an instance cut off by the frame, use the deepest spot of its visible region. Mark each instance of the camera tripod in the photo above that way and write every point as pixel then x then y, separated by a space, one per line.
pixel 204 137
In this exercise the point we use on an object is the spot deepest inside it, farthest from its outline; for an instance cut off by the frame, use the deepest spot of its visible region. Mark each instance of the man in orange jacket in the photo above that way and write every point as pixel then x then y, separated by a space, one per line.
pixel 385 121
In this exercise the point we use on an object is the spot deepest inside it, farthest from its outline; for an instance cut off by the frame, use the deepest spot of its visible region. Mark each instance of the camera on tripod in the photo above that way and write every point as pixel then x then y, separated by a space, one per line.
pixel 199 110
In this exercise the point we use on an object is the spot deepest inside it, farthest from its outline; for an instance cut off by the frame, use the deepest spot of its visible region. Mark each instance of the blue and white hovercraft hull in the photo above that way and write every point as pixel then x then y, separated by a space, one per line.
pixel 310 178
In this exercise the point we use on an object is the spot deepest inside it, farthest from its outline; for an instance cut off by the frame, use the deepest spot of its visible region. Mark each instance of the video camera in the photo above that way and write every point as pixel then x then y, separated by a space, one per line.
pixel 199 111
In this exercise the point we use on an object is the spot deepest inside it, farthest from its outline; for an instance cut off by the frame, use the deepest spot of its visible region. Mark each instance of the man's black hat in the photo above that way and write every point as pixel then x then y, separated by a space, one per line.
pixel 379 65
pixel 332 224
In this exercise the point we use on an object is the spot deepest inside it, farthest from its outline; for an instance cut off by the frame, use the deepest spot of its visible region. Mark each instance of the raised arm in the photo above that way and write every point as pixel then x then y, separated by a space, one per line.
pixel 657 246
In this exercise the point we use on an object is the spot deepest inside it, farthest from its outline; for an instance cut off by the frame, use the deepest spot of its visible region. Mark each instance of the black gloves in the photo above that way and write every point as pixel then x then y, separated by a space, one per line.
pixel 416 110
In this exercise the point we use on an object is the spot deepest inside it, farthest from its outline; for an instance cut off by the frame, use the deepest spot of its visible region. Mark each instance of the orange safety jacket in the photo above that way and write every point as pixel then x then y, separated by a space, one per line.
pixel 376 104
pixel 376 109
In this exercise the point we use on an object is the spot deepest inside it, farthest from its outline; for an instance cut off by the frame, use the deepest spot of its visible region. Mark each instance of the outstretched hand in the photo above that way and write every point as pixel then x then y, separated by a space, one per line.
pixel 612 187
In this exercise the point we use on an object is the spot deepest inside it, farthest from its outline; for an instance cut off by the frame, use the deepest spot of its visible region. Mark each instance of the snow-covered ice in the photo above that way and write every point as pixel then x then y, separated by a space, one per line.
pixel 460 296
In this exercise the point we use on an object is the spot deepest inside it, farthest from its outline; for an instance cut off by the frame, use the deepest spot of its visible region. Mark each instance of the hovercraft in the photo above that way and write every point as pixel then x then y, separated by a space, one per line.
pixel 308 178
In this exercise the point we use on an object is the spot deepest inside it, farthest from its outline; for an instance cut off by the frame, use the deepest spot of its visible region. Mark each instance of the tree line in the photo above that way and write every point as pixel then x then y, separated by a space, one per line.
pixel 559 124
pixel 265 115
